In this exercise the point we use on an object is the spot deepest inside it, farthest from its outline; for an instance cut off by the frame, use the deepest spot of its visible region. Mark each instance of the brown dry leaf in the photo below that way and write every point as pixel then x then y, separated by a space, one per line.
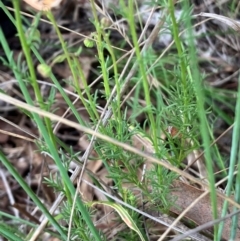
pixel 25 213
pixel 107 212
pixel 93 166
pixel 4 204
pixel 3 137
pixel 65 72
pixel 143 143
pixel 156 229
pixel 86 64
pixel 86 190
pixel 202 212
pixel 84 142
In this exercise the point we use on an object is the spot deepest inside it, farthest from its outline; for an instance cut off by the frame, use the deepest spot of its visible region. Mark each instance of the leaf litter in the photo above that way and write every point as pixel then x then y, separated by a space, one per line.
pixel 220 51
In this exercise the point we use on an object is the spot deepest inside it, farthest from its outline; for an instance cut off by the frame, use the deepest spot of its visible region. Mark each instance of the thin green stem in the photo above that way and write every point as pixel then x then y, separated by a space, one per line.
pixel 233 159
pixel 195 76
pixel 51 145
pixel 115 69
pixel 31 194
pixel 100 49
pixel 91 105
pixel 72 190
pixel 59 87
pixel 27 53
pixel 142 69
pixel 71 63
pixel 175 30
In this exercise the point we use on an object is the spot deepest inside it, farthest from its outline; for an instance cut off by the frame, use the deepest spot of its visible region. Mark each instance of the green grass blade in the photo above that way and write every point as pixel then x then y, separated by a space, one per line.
pixel 30 193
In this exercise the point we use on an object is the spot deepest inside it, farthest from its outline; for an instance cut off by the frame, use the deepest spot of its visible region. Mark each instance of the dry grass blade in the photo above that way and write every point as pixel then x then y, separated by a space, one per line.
pixel 205 226
pixel 17 136
pixel 234 24
pixel 109 139
pixel 128 163
pixel 9 192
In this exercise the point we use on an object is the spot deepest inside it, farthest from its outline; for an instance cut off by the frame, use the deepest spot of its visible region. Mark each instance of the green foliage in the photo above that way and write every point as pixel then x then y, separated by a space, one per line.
pixel 160 179
pixel 166 92
pixel 79 228
pixel 10 232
